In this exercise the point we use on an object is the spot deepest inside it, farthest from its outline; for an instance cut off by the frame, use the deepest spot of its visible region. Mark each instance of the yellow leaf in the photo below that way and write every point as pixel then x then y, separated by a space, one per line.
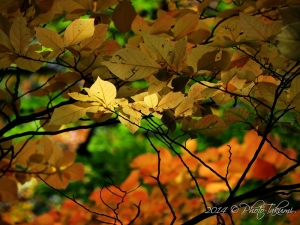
pixel 156 85
pixel 81 97
pixel 67 114
pixel 20 35
pixel 151 100
pixel 185 25
pixel 210 125
pixel 49 38
pixel 130 64
pixel 96 40
pixel 162 24
pixel 253 27
pixel 160 46
pixel 131 124
pixel 185 108
pixel 171 100
pixel 104 90
pixel 139 24
pixel 78 31
pixel 28 63
pixel 180 50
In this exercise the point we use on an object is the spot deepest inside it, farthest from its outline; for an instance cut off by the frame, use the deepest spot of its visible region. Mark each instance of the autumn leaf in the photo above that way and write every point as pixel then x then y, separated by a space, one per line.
pixel 139 24
pixel 210 125
pixel 131 123
pixel 171 100
pixel 253 27
pixel 208 61
pixel 7 59
pixel 289 41
pixel 20 35
pixel 123 16
pixel 78 31
pixel 185 108
pixel 180 51
pixel 104 90
pixel 8 190
pixel 151 100
pixel 160 46
pixel 130 64
pixel 162 24
pixel 96 40
pixel 236 115
pixel 185 25
pixel 5 45
pixel 290 15
pixel 67 114
pixel 49 38
pixel 33 62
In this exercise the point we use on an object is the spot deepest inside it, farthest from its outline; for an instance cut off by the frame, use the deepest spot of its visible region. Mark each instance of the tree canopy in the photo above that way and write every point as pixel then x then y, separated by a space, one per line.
pixel 185 70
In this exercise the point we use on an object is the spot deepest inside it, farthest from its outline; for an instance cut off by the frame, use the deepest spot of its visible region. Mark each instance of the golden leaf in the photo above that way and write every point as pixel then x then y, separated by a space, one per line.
pixel 20 35
pixel 160 46
pixel 103 90
pixel 151 100
pixel 31 63
pixel 185 25
pixel 96 40
pixel 171 100
pixel 67 114
pixel 78 31
pixel 49 38
pixel 130 64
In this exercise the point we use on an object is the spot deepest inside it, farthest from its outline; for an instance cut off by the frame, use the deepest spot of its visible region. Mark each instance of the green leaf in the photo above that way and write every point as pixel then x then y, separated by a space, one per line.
pixel 289 41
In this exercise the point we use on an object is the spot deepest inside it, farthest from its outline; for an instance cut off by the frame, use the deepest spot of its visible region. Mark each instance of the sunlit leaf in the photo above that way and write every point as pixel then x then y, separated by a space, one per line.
pixel 160 46
pixel 78 31
pixel 67 114
pixel 96 40
pixel 104 90
pixel 171 100
pixel 151 100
